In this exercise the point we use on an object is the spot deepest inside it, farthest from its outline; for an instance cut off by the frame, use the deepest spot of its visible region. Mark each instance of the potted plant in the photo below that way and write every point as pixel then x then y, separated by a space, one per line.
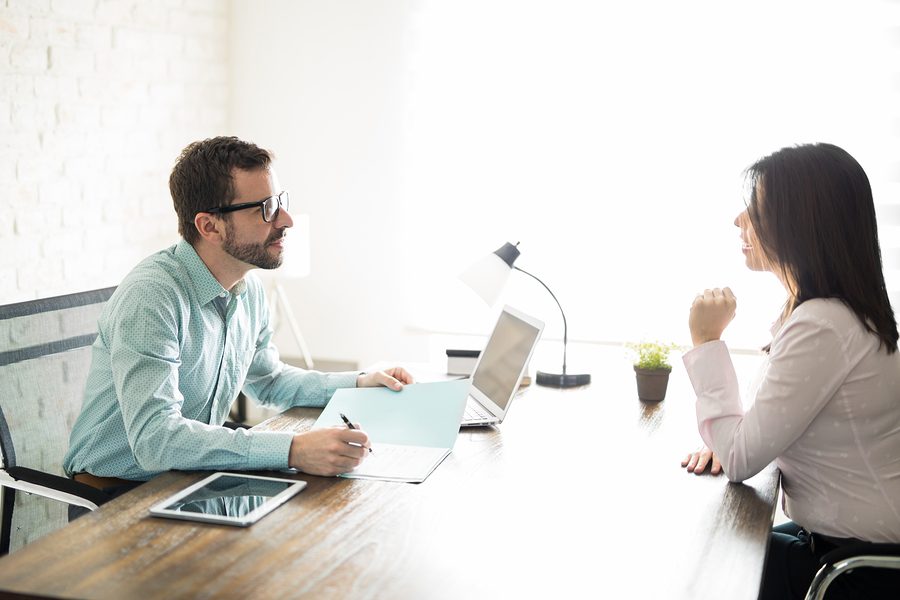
pixel 652 368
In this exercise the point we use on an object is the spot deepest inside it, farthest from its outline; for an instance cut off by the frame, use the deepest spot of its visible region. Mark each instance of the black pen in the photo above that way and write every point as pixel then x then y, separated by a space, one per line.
pixel 350 425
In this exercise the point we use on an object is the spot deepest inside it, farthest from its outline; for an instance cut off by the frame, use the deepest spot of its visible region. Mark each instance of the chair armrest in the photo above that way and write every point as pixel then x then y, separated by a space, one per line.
pixel 58 488
pixel 852 556
pixel 864 549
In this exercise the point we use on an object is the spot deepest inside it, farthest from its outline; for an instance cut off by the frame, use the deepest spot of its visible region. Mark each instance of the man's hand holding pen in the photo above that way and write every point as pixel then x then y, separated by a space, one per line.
pixel 336 450
pixel 330 451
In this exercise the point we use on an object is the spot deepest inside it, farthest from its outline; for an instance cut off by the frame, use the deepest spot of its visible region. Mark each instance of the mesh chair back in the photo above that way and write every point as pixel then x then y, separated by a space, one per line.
pixel 45 355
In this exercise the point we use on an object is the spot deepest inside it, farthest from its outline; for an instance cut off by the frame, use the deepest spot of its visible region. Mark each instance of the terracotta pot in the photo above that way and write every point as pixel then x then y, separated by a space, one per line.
pixel 652 383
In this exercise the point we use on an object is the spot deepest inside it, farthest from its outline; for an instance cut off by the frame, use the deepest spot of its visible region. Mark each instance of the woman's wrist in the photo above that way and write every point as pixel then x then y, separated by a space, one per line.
pixel 700 340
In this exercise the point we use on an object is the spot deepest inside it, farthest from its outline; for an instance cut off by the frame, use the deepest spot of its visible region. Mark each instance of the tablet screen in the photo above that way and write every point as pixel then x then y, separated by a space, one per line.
pixel 229 498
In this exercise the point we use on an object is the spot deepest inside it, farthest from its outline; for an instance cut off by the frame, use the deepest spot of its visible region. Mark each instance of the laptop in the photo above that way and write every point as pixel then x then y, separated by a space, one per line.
pixel 500 368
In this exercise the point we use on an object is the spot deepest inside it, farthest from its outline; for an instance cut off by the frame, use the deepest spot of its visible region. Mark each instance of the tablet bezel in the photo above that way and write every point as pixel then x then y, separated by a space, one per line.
pixel 159 509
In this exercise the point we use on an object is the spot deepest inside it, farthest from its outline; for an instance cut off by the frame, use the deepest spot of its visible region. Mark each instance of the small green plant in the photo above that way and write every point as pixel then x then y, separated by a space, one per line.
pixel 651 355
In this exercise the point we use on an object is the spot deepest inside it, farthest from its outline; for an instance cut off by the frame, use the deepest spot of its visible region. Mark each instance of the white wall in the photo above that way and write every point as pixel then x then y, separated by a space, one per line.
pixel 322 85
pixel 97 98
pixel 608 137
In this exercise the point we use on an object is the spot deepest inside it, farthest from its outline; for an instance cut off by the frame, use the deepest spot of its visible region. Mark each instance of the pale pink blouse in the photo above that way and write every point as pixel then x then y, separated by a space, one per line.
pixel 827 411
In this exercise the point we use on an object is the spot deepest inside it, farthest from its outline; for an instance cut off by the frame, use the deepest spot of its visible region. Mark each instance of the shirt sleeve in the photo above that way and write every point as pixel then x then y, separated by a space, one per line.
pixel 145 357
pixel 806 367
pixel 272 383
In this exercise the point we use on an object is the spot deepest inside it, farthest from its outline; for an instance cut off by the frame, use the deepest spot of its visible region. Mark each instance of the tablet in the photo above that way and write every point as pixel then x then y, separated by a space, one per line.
pixel 229 498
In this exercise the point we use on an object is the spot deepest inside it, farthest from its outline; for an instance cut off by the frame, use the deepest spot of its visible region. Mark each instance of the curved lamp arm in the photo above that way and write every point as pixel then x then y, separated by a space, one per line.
pixel 487 278
pixel 565 326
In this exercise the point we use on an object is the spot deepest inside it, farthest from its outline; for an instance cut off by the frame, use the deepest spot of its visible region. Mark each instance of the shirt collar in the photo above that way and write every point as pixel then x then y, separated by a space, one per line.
pixel 776 326
pixel 206 286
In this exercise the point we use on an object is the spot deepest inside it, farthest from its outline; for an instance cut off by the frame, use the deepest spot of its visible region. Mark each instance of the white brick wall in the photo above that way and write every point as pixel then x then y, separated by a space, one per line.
pixel 97 98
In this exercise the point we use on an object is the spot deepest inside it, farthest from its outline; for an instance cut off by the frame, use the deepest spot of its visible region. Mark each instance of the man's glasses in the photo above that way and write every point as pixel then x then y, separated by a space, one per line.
pixel 270 206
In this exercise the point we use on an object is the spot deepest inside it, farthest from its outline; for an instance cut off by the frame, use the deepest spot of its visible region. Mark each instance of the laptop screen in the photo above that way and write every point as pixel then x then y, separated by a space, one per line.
pixel 504 358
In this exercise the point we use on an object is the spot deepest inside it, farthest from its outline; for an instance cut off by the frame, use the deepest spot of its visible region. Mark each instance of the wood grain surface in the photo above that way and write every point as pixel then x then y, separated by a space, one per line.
pixel 579 493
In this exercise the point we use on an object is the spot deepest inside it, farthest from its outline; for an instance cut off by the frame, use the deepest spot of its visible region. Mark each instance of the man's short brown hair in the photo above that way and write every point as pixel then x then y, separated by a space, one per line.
pixel 202 177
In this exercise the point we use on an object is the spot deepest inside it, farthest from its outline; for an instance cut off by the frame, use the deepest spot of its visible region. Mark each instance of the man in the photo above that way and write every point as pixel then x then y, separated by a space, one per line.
pixel 189 328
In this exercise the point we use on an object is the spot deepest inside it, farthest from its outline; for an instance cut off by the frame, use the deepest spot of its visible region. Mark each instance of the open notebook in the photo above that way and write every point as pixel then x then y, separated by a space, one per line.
pixel 411 431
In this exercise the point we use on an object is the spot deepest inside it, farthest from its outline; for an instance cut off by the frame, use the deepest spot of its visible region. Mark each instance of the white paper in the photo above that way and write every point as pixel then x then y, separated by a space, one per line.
pixel 390 462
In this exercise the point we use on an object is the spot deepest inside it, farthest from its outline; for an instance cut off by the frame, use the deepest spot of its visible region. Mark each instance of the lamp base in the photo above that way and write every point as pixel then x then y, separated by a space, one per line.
pixel 562 380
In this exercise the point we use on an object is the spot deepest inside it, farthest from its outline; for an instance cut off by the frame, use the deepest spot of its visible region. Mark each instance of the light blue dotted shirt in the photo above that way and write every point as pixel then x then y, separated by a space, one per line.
pixel 173 351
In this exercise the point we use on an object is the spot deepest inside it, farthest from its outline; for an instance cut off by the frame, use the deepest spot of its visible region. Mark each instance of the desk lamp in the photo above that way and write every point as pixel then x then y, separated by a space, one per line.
pixel 295 265
pixel 488 276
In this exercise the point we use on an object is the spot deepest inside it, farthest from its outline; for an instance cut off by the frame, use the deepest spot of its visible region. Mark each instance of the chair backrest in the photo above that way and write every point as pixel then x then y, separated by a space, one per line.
pixel 45 355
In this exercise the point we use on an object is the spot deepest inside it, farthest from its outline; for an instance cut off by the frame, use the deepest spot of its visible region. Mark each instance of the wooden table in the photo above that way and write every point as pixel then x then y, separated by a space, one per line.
pixel 578 494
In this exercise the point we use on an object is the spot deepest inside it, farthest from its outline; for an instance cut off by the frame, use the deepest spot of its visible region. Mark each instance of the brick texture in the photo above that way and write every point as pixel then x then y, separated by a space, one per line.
pixel 97 98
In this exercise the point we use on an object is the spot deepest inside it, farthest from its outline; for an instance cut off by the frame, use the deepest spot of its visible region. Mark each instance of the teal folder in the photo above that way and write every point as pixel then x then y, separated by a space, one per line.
pixel 422 414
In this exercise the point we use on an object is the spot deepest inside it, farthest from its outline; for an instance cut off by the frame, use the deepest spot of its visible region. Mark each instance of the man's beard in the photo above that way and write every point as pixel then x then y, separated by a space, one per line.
pixel 257 255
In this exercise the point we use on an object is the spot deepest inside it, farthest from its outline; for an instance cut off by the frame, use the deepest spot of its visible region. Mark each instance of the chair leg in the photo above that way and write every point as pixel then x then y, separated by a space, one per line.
pixel 9 500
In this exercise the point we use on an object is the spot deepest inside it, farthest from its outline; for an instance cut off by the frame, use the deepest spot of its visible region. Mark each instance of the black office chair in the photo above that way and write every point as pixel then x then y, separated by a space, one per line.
pixel 846 558
pixel 45 355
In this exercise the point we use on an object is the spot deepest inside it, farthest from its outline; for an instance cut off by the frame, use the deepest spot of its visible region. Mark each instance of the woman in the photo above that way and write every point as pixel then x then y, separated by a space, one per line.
pixel 827 409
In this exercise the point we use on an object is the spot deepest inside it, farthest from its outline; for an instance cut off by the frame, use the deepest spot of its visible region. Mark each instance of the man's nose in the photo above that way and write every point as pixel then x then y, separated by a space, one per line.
pixel 283 219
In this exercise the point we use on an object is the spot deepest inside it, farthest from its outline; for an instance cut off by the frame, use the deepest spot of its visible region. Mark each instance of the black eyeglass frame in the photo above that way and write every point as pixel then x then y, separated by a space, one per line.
pixel 283 199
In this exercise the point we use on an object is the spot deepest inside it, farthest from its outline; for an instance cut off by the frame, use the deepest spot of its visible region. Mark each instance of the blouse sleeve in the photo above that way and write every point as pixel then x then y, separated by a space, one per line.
pixel 807 365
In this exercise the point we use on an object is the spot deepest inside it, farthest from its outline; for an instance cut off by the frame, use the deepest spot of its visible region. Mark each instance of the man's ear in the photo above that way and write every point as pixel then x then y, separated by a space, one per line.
pixel 210 227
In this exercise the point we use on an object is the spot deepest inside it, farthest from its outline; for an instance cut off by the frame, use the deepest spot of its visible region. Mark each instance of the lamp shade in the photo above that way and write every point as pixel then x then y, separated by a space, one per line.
pixel 296 262
pixel 488 276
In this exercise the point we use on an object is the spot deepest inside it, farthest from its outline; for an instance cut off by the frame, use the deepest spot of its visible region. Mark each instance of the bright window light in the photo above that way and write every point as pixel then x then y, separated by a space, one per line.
pixel 609 139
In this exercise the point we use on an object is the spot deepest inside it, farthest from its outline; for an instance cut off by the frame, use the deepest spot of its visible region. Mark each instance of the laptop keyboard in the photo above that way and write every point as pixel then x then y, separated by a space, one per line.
pixel 475 412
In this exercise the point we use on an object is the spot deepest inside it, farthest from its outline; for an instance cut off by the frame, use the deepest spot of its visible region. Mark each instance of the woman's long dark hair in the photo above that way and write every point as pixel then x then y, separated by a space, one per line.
pixel 812 210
